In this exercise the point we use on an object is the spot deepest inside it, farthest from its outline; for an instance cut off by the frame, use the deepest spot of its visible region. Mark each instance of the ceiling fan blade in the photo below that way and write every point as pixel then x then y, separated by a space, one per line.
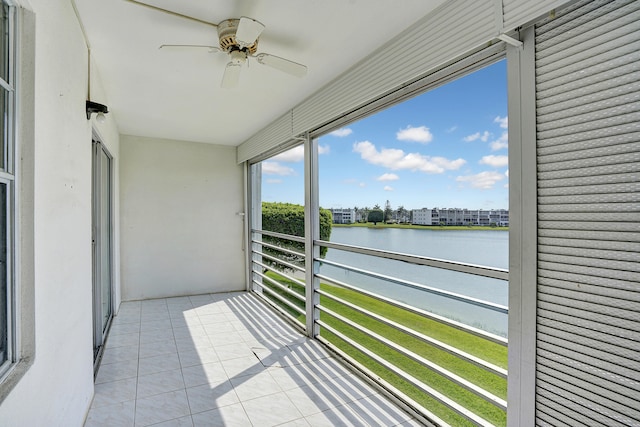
pixel 231 75
pixel 248 31
pixel 282 64
pixel 174 47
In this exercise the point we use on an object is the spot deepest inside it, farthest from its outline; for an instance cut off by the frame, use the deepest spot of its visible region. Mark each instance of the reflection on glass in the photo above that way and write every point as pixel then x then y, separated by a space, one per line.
pixel 4 42
pixel 3 274
pixel 4 136
pixel 105 240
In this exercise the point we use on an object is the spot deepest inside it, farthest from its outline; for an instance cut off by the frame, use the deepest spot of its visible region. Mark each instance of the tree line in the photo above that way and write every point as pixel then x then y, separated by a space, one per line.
pixel 288 218
pixel 378 214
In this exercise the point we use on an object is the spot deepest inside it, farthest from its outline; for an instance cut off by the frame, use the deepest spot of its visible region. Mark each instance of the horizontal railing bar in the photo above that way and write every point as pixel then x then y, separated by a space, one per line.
pixel 279 310
pixel 478 270
pixel 294 294
pixel 395 395
pixel 487 366
pixel 280 285
pixel 278 248
pixel 279 235
pixel 279 261
pixel 265 288
pixel 286 276
pixel 409 378
pixel 278 297
pixel 435 317
pixel 447 294
pixel 445 373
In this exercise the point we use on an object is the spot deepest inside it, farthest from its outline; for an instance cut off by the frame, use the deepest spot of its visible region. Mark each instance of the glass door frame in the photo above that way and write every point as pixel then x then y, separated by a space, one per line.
pixel 98 236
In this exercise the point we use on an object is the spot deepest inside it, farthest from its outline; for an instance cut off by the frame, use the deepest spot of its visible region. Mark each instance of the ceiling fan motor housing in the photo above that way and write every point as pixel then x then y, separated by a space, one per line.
pixel 227 36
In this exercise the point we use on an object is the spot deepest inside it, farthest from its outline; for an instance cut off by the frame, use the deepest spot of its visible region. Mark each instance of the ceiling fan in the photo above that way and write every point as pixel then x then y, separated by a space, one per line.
pixel 237 38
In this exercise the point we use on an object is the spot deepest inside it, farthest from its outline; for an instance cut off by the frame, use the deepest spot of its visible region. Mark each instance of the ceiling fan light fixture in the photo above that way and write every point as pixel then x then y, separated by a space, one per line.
pixel 238 57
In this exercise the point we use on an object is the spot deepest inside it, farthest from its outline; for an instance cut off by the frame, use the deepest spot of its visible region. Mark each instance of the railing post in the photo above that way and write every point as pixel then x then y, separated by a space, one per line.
pixel 255 223
pixel 522 232
pixel 311 233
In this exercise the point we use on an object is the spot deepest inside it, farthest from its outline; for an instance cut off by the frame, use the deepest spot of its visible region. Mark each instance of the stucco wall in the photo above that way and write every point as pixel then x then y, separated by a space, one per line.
pixel 181 233
pixel 57 388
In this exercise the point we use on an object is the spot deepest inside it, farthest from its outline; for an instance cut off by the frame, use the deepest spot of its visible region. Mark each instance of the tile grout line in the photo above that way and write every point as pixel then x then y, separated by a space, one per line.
pixel 135 403
pixel 181 368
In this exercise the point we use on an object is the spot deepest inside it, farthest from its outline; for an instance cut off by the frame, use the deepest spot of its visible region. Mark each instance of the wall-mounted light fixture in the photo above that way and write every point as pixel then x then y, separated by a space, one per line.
pixel 94 107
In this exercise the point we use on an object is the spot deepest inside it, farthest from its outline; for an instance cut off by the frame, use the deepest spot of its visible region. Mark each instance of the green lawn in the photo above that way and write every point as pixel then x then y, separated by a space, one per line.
pixel 476 346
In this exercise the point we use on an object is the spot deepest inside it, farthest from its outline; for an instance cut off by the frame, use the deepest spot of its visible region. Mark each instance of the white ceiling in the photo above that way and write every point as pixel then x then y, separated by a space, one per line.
pixel 177 95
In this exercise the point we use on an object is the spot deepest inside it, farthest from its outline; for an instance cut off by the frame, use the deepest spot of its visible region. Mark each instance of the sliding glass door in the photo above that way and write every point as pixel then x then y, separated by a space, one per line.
pixel 102 241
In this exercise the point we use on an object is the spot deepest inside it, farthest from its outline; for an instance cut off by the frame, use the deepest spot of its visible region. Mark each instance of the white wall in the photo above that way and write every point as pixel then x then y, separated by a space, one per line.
pixel 57 388
pixel 180 234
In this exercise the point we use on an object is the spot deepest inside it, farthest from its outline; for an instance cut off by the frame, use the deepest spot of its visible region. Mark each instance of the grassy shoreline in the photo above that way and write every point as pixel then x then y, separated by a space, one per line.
pixel 423 227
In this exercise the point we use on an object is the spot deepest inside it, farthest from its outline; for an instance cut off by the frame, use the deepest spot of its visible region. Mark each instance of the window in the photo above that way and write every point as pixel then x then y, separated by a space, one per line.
pixel 432 331
pixel 7 187
pixel 385 300
pixel 277 232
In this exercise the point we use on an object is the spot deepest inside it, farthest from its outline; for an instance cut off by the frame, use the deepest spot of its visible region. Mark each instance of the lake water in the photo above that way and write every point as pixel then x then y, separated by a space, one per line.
pixel 489 248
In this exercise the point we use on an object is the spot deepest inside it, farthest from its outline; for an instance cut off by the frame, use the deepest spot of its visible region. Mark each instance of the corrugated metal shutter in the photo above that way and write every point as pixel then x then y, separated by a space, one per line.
pixel 433 42
pixel 588 148
pixel 519 12
pixel 453 31
pixel 275 134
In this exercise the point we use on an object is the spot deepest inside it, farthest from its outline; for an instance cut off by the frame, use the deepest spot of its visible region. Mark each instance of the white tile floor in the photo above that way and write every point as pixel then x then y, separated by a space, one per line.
pixel 225 360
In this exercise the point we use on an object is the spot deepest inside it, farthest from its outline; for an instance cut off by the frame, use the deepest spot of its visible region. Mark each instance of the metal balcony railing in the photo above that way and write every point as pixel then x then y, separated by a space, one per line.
pixel 453 373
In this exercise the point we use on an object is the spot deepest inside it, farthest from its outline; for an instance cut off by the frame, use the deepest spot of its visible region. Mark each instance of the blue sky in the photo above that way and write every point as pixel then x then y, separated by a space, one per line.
pixel 444 148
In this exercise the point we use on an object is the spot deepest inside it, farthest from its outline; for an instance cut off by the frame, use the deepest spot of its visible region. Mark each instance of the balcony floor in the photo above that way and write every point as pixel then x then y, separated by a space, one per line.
pixel 225 360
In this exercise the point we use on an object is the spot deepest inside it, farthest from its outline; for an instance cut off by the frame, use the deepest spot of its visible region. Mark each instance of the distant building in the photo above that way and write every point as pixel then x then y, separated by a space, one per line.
pixel 422 216
pixel 343 216
pixel 458 216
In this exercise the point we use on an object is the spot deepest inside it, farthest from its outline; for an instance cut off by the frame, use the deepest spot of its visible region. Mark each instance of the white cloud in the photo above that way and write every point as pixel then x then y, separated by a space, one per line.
pixel 484 137
pixel 388 177
pixel 500 143
pixel 388 188
pixel 419 134
pixel 274 181
pixel 342 132
pixel 495 161
pixel 395 159
pixel 451 129
pixel 472 137
pixel 483 180
pixel 502 121
pixel 275 168
pixel 362 185
pixel 506 173
pixel 296 154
